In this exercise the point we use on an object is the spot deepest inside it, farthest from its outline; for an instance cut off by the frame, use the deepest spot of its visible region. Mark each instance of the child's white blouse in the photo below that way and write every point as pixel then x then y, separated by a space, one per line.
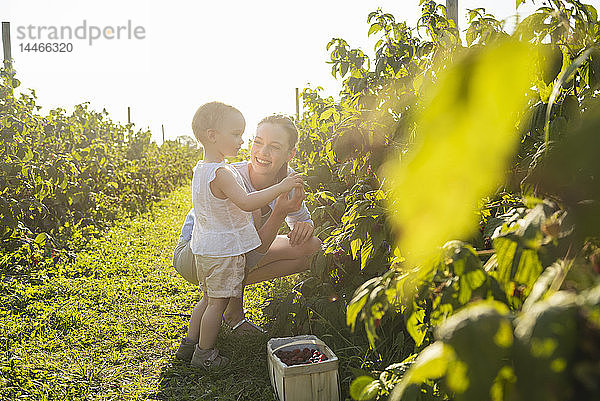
pixel 220 228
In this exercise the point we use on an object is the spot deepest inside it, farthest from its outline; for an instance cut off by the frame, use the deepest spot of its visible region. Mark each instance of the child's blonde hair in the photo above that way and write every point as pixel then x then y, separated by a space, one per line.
pixel 209 116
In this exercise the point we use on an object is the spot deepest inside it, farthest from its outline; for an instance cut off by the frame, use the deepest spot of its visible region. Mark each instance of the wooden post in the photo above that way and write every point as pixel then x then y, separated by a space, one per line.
pixel 452 7
pixel 297 105
pixel 128 115
pixel 6 44
pixel 163 131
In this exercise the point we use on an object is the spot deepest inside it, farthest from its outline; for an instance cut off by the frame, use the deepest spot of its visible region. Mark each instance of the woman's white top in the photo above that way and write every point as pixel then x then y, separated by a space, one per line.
pixel 221 228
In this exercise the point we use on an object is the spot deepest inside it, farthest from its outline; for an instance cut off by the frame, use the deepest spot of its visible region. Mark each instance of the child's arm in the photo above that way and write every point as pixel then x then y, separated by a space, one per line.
pixel 226 184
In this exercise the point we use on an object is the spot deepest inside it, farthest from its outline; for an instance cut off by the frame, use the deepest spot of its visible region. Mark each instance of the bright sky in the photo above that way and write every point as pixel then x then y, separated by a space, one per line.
pixel 251 54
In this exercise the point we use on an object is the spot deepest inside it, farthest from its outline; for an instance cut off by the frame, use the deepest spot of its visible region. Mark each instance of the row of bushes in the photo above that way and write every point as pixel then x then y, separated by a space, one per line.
pixel 455 189
pixel 65 177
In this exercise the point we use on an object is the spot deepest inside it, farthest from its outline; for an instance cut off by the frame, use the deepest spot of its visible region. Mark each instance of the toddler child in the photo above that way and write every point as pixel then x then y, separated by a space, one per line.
pixel 223 231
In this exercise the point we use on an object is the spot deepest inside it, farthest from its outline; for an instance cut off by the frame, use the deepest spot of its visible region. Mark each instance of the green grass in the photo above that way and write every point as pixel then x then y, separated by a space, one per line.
pixel 101 327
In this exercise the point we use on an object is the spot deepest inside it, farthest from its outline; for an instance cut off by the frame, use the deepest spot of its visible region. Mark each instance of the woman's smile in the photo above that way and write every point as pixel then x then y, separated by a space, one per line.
pixel 262 162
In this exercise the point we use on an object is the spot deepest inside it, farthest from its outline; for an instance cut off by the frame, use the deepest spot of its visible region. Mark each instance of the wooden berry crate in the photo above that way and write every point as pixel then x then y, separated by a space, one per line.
pixel 307 382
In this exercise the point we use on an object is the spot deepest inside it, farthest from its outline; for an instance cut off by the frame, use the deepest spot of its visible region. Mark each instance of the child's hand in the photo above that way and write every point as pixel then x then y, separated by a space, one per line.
pixel 291 181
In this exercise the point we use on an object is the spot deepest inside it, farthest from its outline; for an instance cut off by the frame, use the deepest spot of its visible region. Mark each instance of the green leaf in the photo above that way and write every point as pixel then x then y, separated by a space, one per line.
pixel 327 113
pixel 431 363
pixel 319 265
pixel 471 34
pixel 515 264
pixel 355 245
pixel 468 283
pixel 364 388
pixel 366 251
pixel 483 92
pixel 415 326
pixel 41 238
pixel 543 283
pixel 479 332
pixel 461 259
pixel 562 79
pixel 325 195
pixel 546 343
pixel 530 25
pixel 591 11
pixel 344 65
pixel 374 29
pixel 355 306
pixel 571 172
pixel 28 155
pixel 329 152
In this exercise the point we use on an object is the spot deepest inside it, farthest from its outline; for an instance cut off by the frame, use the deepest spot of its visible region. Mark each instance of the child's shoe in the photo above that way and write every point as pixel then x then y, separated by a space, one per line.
pixel 186 350
pixel 208 358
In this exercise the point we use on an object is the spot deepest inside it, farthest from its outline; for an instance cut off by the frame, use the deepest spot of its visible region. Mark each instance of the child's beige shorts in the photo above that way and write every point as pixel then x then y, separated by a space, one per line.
pixel 221 277
pixel 185 263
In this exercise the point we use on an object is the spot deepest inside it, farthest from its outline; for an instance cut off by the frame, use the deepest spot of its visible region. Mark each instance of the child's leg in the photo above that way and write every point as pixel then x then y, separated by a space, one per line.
pixel 193 331
pixel 234 311
pixel 211 322
pixel 190 342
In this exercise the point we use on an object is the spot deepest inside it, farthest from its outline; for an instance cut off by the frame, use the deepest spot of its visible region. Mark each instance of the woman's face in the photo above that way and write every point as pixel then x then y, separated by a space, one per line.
pixel 270 149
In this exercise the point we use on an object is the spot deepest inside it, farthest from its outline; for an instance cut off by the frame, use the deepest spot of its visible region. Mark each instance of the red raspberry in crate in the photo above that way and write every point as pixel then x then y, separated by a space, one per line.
pixel 300 356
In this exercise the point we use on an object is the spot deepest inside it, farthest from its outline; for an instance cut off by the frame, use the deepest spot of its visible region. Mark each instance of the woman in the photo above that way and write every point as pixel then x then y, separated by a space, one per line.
pixel 273 147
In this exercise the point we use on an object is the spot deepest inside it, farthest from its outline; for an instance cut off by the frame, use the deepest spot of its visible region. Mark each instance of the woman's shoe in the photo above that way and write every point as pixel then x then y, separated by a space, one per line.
pixel 208 358
pixel 186 350
pixel 245 326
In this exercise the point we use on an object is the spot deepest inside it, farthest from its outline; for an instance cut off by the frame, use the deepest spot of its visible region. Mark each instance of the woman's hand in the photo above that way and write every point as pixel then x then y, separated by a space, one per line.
pixel 284 205
pixel 302 231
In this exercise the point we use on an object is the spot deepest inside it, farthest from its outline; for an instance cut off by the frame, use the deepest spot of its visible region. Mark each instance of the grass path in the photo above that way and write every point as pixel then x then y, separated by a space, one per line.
pixel 102 329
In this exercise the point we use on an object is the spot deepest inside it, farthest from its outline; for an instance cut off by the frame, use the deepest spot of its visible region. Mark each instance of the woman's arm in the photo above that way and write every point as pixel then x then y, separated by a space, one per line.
pixel 300 223
pixel 300 215
pixel 226 184
pixel 283 206
pixel 188 226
